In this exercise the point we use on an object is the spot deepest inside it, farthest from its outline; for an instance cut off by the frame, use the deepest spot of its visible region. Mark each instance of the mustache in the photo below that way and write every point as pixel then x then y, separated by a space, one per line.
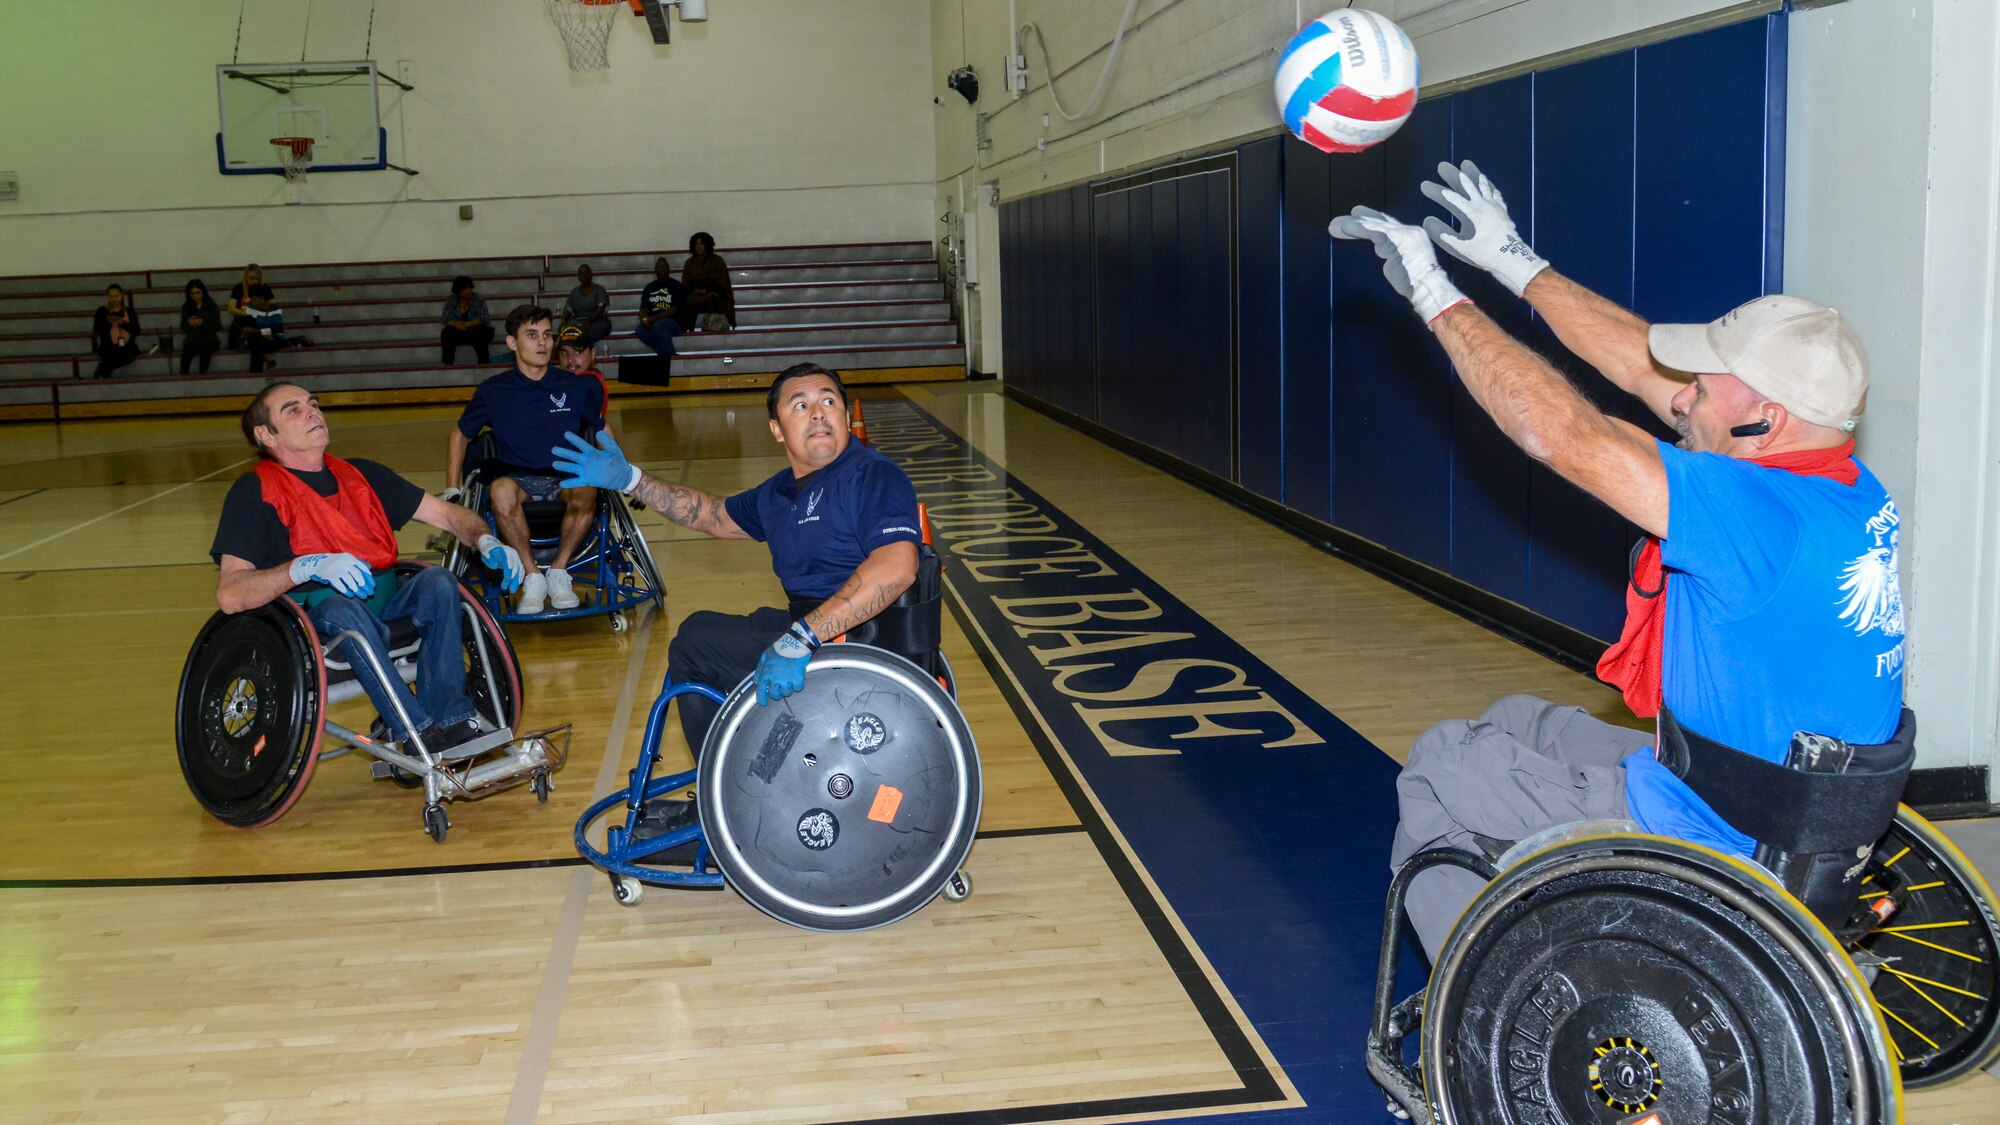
pixel 1684 428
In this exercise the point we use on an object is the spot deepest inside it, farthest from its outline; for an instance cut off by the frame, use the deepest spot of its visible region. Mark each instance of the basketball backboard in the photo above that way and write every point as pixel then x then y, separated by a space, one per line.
pixel 336 104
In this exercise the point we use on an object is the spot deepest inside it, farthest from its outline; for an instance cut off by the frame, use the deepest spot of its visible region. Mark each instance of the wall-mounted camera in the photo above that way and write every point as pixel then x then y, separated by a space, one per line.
pixel 965 83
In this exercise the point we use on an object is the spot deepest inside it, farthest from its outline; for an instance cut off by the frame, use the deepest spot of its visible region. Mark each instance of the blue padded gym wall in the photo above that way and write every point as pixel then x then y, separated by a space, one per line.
pixel 1201 310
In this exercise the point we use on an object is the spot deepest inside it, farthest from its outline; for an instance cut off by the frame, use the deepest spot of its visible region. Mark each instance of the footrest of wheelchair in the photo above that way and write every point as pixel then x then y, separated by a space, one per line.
pixel 660 818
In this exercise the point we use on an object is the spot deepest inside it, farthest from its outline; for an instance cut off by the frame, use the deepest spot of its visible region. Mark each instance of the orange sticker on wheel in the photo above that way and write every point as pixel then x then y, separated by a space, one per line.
pixel 259 748
pixel 887 800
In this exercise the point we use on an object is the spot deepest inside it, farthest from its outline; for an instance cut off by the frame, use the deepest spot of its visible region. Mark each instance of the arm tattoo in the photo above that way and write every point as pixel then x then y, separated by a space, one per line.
pixel 689 507
pixel 850 607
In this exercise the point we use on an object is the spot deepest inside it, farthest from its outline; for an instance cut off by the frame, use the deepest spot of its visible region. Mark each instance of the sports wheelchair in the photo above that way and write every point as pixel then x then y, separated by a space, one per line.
pixel 250 719
pixel 1609 975
pixel 613 568
pixel 847 806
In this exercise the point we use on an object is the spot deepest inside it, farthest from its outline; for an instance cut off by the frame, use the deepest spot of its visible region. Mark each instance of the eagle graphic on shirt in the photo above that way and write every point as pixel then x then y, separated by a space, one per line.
pixel 1870 591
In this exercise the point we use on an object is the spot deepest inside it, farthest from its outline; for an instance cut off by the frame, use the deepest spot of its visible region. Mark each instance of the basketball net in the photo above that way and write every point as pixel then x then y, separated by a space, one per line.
pixel 586 30
pixel 295 156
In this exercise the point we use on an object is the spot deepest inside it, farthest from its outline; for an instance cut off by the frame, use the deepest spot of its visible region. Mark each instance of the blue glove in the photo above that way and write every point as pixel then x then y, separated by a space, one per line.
pixel 781 671
pixel 343 572
pixel 499 556
pixel 595 466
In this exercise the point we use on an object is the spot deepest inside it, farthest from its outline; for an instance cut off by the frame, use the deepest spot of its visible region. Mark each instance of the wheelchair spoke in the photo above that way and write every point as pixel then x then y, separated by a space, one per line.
pixel 1911 1028
pixel 1933 983
pixel 1928 999
pixel 1939 948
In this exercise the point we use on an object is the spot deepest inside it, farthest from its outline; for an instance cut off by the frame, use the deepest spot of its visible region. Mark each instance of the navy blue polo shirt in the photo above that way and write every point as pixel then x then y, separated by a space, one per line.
pixel 821 527
pixel 529 417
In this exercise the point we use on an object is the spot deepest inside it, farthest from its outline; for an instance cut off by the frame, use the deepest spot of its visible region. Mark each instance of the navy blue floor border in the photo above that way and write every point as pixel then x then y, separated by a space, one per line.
pixel 1262 818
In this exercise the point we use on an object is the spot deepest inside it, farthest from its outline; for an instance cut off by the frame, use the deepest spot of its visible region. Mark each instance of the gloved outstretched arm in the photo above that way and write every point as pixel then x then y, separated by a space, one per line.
pixel 1603 334
pixel 601 464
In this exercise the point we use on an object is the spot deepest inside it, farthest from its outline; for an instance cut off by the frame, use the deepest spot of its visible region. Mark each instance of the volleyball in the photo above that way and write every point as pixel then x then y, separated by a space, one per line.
pixel 1347 80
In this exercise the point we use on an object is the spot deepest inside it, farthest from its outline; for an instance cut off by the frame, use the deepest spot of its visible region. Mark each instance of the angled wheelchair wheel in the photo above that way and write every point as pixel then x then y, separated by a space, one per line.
pixel 1611 976
pixel 1936 959
pixel 848 805
pixel 248 721
pixel 632 541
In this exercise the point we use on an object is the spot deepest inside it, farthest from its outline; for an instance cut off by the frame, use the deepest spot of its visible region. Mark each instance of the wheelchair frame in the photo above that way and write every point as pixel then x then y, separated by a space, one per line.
pixel 499 761
pixel 1847 974
pixel 613 561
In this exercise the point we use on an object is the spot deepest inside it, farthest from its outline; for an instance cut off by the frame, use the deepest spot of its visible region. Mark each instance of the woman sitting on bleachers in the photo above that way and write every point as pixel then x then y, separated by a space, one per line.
pixel 201 327
pixel 711 303
pixel 114 332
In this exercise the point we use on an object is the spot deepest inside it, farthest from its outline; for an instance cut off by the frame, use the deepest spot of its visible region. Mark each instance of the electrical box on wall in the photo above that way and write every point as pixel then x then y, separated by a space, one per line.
pixel 10 187
pixel 465 211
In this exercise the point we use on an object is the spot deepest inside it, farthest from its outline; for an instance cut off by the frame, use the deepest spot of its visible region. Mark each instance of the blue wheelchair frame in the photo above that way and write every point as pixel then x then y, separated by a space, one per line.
pixel 621 854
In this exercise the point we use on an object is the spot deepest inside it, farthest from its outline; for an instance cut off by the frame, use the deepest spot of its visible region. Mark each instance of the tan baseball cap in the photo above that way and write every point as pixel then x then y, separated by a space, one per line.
pixel 1797 353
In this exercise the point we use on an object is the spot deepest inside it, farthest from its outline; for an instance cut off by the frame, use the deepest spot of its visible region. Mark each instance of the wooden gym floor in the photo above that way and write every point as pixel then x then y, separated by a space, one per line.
pixel 1176 916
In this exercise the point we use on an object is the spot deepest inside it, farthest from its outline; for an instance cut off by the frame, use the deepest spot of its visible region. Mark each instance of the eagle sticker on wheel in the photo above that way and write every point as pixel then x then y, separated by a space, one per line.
pixel 867 723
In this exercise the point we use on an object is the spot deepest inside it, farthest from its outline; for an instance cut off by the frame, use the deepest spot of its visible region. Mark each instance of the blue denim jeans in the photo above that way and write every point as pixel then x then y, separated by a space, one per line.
pixel 430 598
pixel 659 335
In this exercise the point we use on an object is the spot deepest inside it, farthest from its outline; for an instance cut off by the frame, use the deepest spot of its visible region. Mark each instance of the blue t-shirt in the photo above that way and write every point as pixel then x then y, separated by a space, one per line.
pixel 529 417
pixel 1784 614
pixel 821 527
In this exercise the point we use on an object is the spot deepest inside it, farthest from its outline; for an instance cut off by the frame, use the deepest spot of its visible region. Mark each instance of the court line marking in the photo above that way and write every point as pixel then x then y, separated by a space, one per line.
pixel 126 508
pixel 538 1045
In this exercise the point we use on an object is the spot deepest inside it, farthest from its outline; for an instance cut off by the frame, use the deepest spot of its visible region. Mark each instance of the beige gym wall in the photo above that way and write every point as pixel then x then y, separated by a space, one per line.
pixel 777 122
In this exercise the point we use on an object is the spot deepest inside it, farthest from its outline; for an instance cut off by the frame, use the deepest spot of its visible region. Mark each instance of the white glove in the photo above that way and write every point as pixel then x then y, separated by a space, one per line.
pixel 1408 260
pixel 1485 236
pixel 451 495
pixel 499 556
pixel 343 572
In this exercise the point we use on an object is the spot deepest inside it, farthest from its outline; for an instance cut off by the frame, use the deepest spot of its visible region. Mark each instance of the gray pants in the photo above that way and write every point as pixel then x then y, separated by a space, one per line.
pixel 1524 765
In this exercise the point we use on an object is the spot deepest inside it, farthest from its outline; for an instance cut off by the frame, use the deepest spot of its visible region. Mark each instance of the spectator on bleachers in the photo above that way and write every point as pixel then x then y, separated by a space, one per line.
pixel 243 328
pixel 114 332
pixel 201 327
pixel 270 323
pixel 578 356
pixel 711 303
pixel 465 322
pixel 589 307
pixel 660 305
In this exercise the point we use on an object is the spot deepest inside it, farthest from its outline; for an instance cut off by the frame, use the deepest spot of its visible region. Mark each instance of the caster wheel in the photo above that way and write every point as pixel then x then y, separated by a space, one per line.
pixel 436 824
pixel 540 783
pixel 958 888
pixel 627 890
pixel 619 622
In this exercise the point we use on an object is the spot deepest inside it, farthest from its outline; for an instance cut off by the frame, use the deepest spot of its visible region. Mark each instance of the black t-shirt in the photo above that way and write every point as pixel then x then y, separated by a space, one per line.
pixel 250 529
pixel 258 290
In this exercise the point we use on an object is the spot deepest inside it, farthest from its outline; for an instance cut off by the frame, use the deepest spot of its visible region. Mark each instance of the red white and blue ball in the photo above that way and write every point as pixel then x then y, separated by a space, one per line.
pixel 1347 80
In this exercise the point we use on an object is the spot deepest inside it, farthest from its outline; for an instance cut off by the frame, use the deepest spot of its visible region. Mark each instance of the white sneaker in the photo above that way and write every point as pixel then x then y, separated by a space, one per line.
pixel 560 594
pixel 534 594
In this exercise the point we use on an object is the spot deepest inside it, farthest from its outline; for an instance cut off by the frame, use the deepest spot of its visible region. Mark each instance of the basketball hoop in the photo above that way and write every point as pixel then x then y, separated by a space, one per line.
pixel 295 156
pixel 586 30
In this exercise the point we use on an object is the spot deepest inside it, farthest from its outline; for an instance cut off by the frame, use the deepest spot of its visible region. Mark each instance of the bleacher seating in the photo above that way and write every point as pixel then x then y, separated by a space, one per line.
pixel 876 311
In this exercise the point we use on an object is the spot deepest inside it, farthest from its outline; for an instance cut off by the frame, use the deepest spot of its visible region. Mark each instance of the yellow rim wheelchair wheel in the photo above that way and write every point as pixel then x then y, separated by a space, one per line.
pixel 1933 957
